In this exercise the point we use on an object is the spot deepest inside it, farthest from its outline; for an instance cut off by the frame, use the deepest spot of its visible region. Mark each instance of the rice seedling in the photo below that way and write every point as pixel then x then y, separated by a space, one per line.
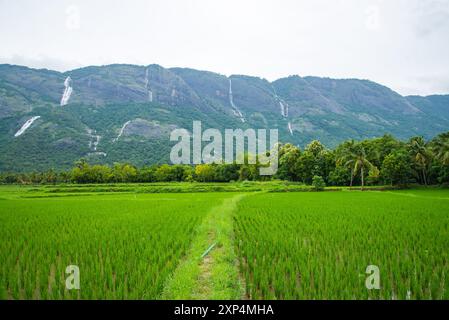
pixel 124 245
pixel 319 245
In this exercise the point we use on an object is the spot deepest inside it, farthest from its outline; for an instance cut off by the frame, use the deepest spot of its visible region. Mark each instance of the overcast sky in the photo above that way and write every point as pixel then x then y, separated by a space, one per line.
pixel 403 44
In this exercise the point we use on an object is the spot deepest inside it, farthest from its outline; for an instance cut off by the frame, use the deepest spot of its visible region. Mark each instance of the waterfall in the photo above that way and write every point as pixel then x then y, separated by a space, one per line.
pixel 235 110
pixel 67 91
pixel 121 130
pixel 283 113
pixel 290 128
pixel 26 125
pixel 147 85
pixel 284 110
pixel 94 139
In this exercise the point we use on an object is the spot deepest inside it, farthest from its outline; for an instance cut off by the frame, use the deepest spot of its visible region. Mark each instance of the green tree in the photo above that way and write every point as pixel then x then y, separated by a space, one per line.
pixel 318 183
pixel 340 176
pixel 315 148
pixel 248 172
pixel 356 159
pixel 164 173
pixel 146 174
pixel 373 175
pixel 99 174
pixel 124 173
pixel 440 147
pixel 288 157
pixel 344 156
pixel 315 160
pixel 421 157
pixel 378 148
pixel 305 167
pixel 205 173
pixel 226 172
pixel 396 168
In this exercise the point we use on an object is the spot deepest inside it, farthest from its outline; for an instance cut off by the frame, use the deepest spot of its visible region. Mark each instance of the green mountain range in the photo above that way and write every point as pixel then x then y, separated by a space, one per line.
pixel 125 113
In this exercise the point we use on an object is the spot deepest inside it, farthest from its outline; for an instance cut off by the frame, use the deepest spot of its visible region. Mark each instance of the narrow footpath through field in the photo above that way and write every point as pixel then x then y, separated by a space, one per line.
pixel 210 269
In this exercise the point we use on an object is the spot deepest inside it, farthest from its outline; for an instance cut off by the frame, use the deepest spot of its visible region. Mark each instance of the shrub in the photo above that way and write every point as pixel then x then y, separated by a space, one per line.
pixel 318 183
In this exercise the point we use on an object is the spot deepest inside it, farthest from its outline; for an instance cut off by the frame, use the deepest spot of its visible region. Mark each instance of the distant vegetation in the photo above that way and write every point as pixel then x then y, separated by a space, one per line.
pixel 379 161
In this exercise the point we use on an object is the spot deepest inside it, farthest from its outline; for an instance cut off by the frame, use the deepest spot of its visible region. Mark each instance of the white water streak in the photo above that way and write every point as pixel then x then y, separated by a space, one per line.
pixel 290 128
pixel 282 104
pixel 26 125
pixel 93 144
pixel 67 91
pixel 284 110
pixel 146 78
pixel 283 113
pixel 96 142
pixel 147 85
pixel 235 110
pixel 121 130
pixel 104 154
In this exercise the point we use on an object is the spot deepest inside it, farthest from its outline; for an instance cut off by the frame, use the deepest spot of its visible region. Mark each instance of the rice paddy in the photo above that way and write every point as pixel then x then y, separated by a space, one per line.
pixel 124 245
pixel 282 245
pixel 319 245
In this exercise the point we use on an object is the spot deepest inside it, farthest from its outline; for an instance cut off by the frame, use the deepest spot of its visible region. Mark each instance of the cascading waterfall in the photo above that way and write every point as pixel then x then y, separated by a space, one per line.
pixel 121 130
pixel 95 139
pixel 283 105
pixel 147 85
pixel 283 113
pixel 67 91
pixel 284 110
pixel 93 143
pixel 96 142
pixel 235 110
pixel 26 125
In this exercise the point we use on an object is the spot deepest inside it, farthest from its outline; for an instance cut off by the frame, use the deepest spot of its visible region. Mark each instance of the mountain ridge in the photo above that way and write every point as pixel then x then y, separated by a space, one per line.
pixel 100 100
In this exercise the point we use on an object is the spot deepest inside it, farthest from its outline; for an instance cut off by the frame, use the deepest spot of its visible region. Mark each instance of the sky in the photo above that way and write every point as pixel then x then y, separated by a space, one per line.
pixel 403 44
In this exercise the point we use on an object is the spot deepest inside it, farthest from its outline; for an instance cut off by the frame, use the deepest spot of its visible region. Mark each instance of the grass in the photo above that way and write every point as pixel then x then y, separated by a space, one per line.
pixel 134 243
pixel 215 275
pixel 181 187
pixel 126 246
pixel 318 245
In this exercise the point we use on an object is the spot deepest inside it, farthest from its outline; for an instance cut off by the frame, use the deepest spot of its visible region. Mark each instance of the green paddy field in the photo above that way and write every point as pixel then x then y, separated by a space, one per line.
pixel 199 241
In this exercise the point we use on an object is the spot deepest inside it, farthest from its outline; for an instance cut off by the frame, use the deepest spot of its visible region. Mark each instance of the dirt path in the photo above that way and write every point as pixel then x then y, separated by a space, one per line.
pixel 216 275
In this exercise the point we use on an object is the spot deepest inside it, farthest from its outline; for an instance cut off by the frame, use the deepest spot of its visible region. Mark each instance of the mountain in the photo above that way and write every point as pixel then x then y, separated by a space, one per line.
pixel 125 113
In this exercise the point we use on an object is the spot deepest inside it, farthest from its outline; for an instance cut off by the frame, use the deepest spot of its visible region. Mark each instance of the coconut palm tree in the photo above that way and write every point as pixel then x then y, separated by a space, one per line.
pixel 354 157
pixel 361 163
pixel 345 155
pixel 440 148
pixel 421 155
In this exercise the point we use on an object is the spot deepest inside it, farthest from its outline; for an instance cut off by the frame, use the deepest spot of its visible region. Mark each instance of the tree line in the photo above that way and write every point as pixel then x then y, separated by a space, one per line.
pixel 379 161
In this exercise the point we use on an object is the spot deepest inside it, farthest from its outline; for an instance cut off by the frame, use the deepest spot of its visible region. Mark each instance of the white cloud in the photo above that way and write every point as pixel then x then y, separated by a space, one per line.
pixel 41 62
pixel 394 42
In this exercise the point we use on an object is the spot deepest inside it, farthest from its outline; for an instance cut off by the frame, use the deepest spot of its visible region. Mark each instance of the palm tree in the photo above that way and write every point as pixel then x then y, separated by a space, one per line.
pixel 354 157
pixel 441 148
pixel 421 155
pixel 361 163
pixel 345 154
